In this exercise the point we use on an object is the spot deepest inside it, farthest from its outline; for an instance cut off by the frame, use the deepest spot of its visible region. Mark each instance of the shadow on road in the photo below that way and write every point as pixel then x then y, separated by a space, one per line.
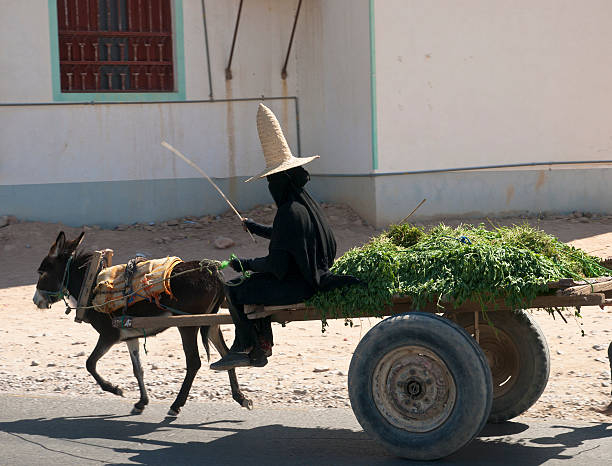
pixel 228 442
pixel 575 437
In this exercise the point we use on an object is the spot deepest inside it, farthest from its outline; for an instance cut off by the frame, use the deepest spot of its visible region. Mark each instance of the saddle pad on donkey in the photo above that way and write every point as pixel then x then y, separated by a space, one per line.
pixel 149 281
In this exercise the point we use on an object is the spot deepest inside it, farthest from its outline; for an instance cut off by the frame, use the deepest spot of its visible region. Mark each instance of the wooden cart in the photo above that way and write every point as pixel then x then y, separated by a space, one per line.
pixel 425 383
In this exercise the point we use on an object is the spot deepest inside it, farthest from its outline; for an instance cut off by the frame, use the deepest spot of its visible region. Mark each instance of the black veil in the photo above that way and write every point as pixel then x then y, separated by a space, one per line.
pixel 301 228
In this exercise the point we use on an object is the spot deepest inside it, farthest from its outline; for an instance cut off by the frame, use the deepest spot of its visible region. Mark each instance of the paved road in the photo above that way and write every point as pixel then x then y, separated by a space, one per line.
pixel 78 431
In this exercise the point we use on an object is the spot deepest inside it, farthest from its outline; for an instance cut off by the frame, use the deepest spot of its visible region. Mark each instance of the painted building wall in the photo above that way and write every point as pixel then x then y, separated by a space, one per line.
pixel 477 83
pixel 491 193
pixel 99 148
pixel 24 62
pixel 474 82
pixel 333 84
pixel 376 87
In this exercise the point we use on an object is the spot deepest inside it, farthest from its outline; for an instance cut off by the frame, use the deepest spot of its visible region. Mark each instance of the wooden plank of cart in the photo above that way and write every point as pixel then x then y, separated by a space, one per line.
pixel 425 383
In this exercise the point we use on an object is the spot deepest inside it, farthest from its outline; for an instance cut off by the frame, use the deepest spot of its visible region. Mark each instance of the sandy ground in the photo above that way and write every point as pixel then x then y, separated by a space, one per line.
pixel 44 352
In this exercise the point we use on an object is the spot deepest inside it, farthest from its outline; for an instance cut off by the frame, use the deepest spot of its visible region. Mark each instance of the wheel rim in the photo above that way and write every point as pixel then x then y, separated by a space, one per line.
pixel 413 389
pixel 503 357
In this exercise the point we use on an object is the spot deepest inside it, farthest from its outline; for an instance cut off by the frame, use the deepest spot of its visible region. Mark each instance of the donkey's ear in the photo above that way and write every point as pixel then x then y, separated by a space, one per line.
pixel 74 244
pixel 59 244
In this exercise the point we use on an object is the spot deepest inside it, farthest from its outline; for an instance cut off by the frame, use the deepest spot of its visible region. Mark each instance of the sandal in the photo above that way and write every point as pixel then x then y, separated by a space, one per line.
pixel 231 360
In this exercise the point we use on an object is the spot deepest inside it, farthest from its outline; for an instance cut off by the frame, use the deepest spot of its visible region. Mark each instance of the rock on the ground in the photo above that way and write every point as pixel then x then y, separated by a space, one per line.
pixel 221 242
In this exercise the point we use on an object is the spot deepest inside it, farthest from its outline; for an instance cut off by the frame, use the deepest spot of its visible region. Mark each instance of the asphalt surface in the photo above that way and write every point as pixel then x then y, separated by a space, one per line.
pixel 60 430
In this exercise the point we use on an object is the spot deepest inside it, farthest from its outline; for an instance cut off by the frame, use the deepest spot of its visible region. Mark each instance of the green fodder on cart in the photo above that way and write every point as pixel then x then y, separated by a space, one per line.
pixel 452 265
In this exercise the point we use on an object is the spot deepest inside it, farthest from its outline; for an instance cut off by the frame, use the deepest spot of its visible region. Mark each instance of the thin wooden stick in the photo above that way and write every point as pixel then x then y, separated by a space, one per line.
pixel 410 214
pixel 201 172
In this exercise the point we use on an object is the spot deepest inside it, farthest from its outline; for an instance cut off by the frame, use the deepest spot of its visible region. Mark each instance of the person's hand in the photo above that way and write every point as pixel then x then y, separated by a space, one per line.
pixel 245 220
pixel 237 264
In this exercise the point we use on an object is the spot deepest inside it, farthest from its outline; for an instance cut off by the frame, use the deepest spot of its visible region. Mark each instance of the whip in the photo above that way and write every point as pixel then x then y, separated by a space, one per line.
pixel 189 162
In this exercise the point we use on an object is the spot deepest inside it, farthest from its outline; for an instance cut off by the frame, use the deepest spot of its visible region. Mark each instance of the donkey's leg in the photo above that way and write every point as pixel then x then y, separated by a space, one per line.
pixel 189 335
pixel 610 360
pixel 102 347
pixel 134 349
pixel 216 338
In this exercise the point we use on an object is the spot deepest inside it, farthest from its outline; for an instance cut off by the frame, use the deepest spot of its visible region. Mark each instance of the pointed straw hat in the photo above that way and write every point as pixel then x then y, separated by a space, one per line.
pixel 275 148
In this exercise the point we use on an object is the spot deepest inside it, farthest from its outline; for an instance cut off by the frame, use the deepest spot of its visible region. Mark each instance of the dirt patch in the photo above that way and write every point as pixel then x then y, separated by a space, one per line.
pixel 44 352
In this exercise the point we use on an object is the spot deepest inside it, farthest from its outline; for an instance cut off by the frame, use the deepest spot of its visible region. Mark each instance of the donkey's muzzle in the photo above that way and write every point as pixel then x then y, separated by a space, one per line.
pixel 41 301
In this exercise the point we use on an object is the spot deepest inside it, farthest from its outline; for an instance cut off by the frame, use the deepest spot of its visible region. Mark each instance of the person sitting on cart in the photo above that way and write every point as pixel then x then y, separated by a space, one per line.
pixel 301 251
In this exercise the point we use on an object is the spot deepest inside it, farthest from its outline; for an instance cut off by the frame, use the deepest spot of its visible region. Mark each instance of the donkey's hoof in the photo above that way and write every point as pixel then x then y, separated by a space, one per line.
pixel 248 404
pixel 137 410
pixel 172 413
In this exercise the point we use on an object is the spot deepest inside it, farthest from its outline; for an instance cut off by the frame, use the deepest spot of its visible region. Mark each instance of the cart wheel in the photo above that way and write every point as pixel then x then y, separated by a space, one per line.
pixel 518 357
pixel 420 385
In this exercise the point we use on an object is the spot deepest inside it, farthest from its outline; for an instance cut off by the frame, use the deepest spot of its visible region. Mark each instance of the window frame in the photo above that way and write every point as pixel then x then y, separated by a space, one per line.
pixel 150 96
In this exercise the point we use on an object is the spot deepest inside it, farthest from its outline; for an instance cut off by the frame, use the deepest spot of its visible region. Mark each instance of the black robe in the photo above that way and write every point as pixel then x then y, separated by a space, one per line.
pixel 302 244
pixel 301 251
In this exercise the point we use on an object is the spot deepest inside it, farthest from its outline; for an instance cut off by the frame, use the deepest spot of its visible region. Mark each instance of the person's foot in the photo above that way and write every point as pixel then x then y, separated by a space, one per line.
pixel 258 357
pixel 231 360
pixel 265 345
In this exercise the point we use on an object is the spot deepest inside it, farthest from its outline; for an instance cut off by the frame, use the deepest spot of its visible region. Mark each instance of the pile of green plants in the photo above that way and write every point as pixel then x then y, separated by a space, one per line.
pixel 448 266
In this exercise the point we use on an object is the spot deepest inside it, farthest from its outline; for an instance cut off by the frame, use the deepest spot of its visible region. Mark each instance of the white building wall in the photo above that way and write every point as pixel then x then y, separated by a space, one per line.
pixel 103 142
pixel 25 62
pixel 457 84
pixel 333 82
pixel 480 82
pixel 109 142
pixel 101 150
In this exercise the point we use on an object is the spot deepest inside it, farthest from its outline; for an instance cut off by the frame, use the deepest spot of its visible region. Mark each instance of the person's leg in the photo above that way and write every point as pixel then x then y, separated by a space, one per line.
pixel 255 336
pixel 245 335
pixel 279 292
pixel 265 339
pixel 262 350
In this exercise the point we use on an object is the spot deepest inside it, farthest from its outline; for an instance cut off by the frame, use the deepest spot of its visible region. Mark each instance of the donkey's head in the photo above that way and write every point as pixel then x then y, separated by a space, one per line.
pixel 53 271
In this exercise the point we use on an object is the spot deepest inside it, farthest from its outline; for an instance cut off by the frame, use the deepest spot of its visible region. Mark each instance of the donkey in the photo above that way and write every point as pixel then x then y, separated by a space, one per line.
pixel 197 292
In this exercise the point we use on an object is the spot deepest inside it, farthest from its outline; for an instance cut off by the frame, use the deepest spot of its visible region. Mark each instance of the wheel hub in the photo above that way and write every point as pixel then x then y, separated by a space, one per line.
pixel 502 356
pixel 413 389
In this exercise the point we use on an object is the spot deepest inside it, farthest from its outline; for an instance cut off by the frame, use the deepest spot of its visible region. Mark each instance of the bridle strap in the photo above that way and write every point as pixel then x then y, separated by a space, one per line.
pixel 60 294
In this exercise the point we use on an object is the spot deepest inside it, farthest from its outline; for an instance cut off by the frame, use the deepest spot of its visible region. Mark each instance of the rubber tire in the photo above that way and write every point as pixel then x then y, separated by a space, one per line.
pixel 464 360
pixel 534 359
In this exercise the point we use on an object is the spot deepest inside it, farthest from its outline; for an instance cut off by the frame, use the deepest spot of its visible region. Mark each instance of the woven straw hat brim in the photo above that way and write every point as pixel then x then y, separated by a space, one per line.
pixel 275 148
pixel 286 165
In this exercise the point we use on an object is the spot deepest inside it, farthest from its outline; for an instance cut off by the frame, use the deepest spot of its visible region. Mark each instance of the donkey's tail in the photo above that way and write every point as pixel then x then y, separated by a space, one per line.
pixel 204 332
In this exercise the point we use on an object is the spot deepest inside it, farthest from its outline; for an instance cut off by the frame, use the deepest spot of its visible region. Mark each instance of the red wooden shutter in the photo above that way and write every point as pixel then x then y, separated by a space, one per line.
pixel 115 45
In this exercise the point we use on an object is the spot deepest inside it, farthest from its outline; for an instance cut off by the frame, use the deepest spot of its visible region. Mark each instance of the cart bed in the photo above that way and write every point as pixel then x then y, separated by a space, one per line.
pixel 578 297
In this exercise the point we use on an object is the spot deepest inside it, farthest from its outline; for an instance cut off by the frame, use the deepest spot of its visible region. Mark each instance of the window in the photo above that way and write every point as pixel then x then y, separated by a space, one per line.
pixel 115 46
